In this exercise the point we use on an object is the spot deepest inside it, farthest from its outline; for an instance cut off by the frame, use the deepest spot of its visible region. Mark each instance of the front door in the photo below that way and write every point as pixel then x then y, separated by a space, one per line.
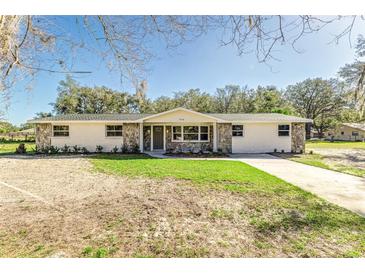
pixel 157 137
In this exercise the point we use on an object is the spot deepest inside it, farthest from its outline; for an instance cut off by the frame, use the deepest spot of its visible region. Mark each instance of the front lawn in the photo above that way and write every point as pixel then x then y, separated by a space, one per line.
pixel 276 218
pixel 9 147
pixel 313 144
pixel 227 174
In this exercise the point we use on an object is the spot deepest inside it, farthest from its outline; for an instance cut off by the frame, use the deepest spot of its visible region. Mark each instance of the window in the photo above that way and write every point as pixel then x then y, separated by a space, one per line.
pixel 355 133
pixel 190 133
pixel 176 133
pixel 237 130
pixel 204 133
pixel 61 131
pixel 283 130
pixel 114 130
pixel 342 132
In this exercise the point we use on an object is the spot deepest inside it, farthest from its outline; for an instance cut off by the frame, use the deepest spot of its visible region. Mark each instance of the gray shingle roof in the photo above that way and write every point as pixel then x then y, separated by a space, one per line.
pixel 229 117
pixel 360 126
pixel 259 117
pixel 92 117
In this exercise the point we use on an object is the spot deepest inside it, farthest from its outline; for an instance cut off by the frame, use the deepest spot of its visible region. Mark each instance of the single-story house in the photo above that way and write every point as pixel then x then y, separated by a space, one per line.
pixel 347 132
pixel 178 129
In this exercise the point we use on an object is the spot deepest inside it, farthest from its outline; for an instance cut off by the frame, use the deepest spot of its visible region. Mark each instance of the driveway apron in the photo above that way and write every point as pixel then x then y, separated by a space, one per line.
pixel 342 189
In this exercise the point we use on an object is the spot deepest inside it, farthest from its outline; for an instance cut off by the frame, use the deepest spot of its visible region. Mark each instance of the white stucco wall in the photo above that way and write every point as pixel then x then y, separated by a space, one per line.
pixel 87 135
pixel 260 138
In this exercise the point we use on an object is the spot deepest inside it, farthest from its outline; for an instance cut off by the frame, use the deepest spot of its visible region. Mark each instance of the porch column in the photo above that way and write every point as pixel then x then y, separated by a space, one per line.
pixel 151 137
pixel 141 137
pixel 164 137
pixel 215 137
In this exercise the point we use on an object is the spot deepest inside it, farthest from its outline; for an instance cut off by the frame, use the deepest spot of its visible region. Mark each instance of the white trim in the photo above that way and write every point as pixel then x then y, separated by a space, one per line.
pixel 163 136
pixel 151 138
pixel 141 144
pixel 190 141
pixel 282 124
pixel 68 136
pixel 215 143
pixel 265 121
pixel 178 109
pixel 84 121
pixel 237 130
pixel 112 137
pixel 164 139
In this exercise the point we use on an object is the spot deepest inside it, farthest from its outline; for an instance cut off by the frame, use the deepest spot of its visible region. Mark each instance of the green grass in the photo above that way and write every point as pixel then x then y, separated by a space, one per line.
pixel 307 225
pixel 310 159
pixel 334 145
pixel 10 147
pixel 230 175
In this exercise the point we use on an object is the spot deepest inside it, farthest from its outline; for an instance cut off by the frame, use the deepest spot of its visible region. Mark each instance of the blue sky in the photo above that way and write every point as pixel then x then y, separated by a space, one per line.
pixel 200 64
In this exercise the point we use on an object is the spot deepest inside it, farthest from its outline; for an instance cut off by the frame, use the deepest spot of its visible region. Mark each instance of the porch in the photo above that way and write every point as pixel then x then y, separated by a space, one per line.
pixel 178 137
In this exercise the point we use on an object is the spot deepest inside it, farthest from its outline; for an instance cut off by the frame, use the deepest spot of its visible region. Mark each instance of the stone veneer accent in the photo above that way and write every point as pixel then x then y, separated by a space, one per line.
pixel 43 133
pixel 131 134
pixel 147 138
pixel 297 137
pixel 188 146
pixel 224 137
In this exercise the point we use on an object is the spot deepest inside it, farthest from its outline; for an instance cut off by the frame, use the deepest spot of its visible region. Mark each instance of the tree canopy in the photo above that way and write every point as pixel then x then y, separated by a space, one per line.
pixel 32 44
pixel 74 98
pixel 317 99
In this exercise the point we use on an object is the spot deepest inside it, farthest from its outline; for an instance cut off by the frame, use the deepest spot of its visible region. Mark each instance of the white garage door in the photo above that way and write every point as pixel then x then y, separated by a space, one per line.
pixel 259 138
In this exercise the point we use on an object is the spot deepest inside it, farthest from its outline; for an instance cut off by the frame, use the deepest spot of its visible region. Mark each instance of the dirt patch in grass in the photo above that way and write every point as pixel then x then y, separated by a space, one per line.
pixel 350 161
pixel 101 215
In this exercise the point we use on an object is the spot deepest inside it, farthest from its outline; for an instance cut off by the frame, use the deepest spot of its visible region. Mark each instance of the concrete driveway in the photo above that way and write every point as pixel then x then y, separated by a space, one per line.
pixel 342 189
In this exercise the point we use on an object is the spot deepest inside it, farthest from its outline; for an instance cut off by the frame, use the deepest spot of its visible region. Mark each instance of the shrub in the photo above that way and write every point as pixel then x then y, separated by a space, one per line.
pixel 84 150
pixel 115 149
pixel 99 149
pixel 65 149
pixel 135 148
pixel 21 149
pixel 76 149
pixel 35 149
pixel 53 150
pixel 124 148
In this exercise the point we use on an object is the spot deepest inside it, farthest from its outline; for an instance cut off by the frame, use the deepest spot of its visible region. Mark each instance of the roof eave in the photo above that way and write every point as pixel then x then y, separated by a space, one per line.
pixel 269 121
pixel 79 121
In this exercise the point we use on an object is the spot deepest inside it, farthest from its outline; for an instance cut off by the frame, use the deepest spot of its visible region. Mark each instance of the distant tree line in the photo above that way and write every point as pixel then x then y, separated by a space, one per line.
pixel 317 99
pixel 73 98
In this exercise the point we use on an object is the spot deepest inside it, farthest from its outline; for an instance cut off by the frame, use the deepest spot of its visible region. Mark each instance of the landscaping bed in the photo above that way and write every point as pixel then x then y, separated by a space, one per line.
pixel 196 155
